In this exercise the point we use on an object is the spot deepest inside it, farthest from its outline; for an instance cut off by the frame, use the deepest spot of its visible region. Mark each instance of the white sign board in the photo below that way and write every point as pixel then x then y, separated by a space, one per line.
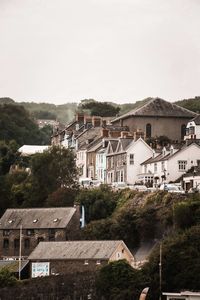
pixel 40 269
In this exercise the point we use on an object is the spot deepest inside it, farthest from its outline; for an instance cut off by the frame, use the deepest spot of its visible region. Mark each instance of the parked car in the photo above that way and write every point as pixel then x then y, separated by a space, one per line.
pixel 172 188
pixel 85 182
pixel 138 187
pixel 119 185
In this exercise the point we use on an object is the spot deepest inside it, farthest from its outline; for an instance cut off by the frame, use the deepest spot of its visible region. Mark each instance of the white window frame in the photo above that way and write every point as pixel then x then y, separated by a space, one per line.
pixel 182 165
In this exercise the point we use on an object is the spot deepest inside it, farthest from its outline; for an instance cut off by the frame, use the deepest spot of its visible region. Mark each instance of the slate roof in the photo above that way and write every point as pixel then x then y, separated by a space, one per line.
pixel 32 218
pixel 126 142
pixel 87 135
pixel 75 250
pixel 160 108
pixel 113 144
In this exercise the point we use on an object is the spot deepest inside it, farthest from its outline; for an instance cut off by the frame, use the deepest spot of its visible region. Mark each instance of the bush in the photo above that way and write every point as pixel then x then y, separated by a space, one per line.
pixel 6 278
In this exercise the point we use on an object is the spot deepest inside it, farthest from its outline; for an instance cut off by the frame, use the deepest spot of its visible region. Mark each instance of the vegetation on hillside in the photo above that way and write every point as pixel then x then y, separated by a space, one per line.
pixel 66 112
pixel 16 124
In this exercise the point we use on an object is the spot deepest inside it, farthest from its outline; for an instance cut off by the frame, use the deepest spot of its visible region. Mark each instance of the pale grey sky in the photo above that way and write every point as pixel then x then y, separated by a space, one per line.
pixel 116 50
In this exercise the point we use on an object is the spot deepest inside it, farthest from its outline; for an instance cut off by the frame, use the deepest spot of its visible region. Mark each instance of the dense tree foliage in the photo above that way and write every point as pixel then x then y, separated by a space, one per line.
pixel 43 114
pixel 8 156
pixel 103 109
pixel 118 280
pixel 7 278
pixel 16 124
pixel 52 181
pixel 99 203
pixel 191 104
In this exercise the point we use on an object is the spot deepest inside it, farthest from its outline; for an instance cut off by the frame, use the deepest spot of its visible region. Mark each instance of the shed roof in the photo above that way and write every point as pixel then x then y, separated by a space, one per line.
pixel 32 218
pixel 158 108
pixel 75 250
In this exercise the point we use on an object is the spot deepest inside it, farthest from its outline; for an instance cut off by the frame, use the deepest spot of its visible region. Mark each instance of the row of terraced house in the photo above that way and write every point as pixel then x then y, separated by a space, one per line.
pixel 125 148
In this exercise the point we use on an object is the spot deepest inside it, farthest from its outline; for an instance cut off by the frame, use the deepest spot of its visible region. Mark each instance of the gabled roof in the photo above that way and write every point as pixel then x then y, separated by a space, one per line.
pixel 112 146
pixel 32 218
pixel 75 250
pixel 123 143
pixel 158 108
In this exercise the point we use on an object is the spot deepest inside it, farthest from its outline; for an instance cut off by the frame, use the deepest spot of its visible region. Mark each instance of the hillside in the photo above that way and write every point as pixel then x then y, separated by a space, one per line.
pixel 65 112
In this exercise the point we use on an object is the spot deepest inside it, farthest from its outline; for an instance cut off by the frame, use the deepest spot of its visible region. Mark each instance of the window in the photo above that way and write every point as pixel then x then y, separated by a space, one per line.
pixel 183 131
pixel 98 262
pixel 148 130
pixel 182 165
pixel 26 243
pixel 163 166
pixel 122 176
pixel 30 232
pixel 6 232
pixel 131 159
pixel 16 243
pixel 155 167
pixel 86 262
pixel 6 243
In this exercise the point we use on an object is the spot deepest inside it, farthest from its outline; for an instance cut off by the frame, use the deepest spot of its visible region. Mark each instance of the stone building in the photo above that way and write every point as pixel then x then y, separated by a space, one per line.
pixel 36 224
pixel 156 118
pixel 76 256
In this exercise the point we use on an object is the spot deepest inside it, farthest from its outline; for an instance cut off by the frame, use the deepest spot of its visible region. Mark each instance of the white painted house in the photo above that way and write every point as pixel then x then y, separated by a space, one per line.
pixel 171 164
pixel 124 159
pixel 193 129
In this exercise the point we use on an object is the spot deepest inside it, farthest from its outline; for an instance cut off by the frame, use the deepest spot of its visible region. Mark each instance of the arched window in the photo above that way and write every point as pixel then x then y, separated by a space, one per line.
pixel 148 130
pixel 183 131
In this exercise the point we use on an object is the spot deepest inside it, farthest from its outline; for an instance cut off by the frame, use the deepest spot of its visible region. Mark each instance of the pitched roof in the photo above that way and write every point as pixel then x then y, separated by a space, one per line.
pixel 32 218
pixel 75 250
pixel 160 108
pixel 88 135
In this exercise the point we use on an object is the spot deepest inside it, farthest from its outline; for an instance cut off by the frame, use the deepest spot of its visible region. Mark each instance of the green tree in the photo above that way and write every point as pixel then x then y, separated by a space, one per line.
pixel 99 203
pixel 51 170
pixel 8 155
pixel 103 109
pixel 6 278
pixel 118 280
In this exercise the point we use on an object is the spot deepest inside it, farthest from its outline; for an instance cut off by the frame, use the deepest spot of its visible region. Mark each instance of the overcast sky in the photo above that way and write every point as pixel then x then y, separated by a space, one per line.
pixel 110 50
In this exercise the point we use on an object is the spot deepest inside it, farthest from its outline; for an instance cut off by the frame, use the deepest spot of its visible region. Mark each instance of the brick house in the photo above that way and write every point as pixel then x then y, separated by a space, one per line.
pixel 37 224
pixel 77 256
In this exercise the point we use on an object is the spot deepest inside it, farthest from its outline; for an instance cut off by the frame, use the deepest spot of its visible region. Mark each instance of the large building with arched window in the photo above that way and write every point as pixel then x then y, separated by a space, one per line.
pixel 157 117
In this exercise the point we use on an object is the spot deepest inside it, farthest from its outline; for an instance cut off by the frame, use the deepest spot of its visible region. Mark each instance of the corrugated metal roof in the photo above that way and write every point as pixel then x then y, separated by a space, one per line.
pixel 158 108
pixel 32 218
pixel 74 250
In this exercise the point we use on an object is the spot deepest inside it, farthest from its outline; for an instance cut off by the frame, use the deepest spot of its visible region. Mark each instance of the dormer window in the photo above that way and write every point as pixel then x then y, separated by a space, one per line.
pixel 35 220
pixel 10 221
pixel 55 220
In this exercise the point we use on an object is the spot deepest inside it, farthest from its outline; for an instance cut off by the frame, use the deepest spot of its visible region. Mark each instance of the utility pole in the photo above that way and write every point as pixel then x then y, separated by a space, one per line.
pixel 20 251
pixel 160 272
